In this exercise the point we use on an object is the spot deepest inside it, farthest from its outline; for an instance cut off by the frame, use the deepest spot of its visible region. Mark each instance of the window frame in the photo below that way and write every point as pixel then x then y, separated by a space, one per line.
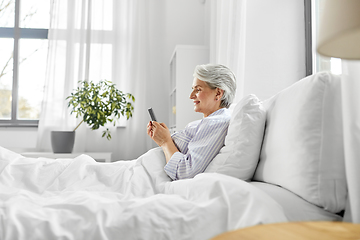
pixel 308 38
pixel 18 33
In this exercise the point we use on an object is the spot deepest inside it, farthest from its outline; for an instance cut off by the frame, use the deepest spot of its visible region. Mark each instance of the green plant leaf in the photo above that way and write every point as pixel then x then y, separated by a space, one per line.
pixel 99 103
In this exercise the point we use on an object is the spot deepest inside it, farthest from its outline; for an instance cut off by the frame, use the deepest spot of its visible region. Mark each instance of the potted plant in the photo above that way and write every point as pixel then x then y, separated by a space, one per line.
pixel 97 104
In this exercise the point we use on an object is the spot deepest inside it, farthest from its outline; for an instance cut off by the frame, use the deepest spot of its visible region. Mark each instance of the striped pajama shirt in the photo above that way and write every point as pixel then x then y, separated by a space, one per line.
pixel 198 144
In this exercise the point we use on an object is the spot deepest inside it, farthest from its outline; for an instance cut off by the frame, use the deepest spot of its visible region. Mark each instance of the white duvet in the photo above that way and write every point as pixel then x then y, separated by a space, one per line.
pixel 82 199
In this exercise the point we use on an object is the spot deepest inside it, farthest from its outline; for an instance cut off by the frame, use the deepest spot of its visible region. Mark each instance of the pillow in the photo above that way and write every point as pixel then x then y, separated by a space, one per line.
pixel 240 155
pixel 303 143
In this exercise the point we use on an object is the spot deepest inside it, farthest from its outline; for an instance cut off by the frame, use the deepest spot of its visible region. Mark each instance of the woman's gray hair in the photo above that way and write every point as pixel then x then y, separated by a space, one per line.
pixel 218 76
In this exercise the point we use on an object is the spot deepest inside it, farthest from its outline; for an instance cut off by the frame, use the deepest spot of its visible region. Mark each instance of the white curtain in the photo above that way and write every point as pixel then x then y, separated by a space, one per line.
pixel 93 40
pixel 227 38
pixel 351 119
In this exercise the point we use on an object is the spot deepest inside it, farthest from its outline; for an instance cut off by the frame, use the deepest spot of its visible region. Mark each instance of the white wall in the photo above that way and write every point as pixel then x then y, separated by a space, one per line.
pixel 18 138
pixel 174 22
pixel 275 46
pixel 184 25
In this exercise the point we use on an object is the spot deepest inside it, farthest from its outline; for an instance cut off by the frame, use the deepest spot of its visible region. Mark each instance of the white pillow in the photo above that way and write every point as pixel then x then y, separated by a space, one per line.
pixel 303 143
pixel 240 155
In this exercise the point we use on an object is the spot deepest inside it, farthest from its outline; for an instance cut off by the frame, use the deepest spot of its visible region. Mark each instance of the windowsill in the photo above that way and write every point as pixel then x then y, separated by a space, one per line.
pixel 98 156
pixel 32 125
pixel 20 125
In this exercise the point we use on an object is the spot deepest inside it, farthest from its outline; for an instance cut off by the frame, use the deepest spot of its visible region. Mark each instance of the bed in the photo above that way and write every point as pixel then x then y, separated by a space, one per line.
pixel 282 161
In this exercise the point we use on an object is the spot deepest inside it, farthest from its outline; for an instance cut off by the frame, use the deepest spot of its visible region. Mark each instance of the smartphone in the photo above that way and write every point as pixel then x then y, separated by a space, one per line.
pixel 152 115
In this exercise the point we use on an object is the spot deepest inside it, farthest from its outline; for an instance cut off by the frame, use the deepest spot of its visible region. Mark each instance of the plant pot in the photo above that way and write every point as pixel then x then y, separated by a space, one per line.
pixel 62 141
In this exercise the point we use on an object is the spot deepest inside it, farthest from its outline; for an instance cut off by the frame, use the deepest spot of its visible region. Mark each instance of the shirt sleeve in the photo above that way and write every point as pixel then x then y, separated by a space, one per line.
pixel 202 148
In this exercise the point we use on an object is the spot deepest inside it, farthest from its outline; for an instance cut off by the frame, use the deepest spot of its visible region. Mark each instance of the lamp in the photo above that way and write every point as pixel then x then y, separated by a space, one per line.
pixel 339 33
pixel 339 36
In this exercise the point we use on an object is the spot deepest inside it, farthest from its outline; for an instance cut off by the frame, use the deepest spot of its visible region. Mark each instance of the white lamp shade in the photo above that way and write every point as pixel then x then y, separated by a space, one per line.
pixel 339 32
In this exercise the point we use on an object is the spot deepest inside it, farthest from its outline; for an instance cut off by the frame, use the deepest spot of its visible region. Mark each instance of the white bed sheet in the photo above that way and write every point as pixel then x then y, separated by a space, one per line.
pixel 82 199
pixel 295 207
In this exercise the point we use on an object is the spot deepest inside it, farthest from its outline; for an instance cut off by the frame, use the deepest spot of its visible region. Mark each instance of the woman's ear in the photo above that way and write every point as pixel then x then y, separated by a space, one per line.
pixel 219 93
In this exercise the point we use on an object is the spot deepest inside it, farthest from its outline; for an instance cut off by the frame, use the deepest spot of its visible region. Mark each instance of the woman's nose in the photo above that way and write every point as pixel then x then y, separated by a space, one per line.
pixel 192 95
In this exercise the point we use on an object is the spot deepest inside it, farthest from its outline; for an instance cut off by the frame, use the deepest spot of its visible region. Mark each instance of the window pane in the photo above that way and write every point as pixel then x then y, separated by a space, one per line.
pixel 6 76
pixel 32 66
pixel 35 14
pixel 102 15
pixel 101 67
pixel 7 13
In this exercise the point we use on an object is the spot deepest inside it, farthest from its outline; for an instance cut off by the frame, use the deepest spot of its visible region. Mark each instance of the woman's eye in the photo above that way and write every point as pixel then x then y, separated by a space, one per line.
pixel 196 90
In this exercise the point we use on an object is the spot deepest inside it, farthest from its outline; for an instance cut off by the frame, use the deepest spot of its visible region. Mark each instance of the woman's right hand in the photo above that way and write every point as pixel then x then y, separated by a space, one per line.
pixel 159 132
pixel 149 129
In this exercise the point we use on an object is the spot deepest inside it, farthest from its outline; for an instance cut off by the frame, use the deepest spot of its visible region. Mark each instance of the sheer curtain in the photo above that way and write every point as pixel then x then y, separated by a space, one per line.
pixel 350 86
pixel 227 38
pixel 93 40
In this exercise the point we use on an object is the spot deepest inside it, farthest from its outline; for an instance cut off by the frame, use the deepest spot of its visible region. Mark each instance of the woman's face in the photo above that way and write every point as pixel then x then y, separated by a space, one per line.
pixel 206 100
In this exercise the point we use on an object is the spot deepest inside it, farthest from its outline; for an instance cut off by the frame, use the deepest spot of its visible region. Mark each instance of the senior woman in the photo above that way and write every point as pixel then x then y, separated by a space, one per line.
pixel 189 151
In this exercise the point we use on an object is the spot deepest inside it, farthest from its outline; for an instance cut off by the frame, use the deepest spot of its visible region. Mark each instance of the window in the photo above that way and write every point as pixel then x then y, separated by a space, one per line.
pixel 321 63
pixel 23 45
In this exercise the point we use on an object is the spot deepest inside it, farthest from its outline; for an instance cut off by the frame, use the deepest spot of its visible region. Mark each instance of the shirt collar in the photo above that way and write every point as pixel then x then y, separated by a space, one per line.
pixel 218 112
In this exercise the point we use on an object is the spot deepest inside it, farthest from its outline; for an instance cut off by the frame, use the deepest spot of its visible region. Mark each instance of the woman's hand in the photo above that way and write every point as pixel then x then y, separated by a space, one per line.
pixel 149 130
pixel 159 132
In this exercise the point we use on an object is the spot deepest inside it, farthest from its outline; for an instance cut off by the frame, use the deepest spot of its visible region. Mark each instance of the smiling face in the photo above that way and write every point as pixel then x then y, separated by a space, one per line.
pixel 206 100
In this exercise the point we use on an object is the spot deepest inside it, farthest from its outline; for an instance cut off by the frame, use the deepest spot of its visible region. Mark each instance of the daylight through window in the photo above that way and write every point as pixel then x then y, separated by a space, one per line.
pixel 321 63
pixel 23 45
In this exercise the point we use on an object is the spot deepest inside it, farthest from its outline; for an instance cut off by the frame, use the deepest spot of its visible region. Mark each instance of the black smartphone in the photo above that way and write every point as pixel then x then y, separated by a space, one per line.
pixel 152 115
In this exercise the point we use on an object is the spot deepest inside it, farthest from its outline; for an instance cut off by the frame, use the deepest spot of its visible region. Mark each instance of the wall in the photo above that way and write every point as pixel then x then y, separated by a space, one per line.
pixel 172 22
pixel 275 46
pixel 18 138
pixel 183 25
